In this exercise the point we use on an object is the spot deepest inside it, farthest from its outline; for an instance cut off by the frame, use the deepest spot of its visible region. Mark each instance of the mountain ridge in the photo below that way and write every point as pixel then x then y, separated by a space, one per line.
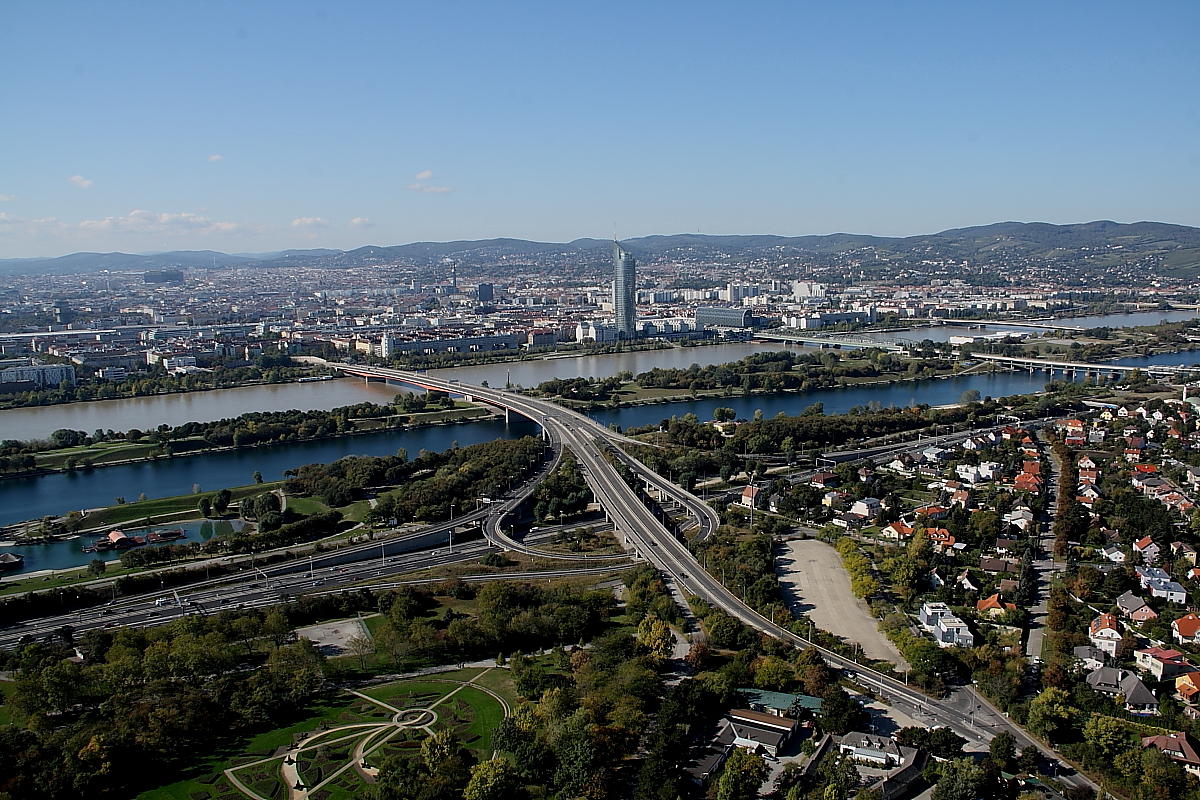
pixel 1177 245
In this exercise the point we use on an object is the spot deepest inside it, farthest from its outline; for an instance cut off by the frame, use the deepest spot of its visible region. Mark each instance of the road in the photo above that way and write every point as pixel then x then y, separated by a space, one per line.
pixel 642 533
pixel 276 584
pixel 1044 564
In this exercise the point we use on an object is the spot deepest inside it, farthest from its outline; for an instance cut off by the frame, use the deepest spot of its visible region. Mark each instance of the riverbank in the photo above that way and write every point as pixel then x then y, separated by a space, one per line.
pixel 636 396
pixel 309 376
pixel 118 453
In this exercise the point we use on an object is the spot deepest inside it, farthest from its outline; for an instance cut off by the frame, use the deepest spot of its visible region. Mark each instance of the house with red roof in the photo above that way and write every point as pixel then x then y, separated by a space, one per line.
pixel 1161 662
pixel 993 606
pixel 1186 629
pixel 1177 746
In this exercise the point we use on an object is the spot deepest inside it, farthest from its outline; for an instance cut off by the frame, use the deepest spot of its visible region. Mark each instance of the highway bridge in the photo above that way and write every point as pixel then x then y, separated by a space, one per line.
pixel 642 532
pixel 1001 323
pixel 835 340
pixel 1087 368
pixel 637 526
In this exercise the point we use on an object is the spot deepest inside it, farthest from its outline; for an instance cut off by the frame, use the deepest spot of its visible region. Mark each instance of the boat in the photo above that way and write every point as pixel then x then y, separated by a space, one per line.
pixel 165 535
pixel 10 562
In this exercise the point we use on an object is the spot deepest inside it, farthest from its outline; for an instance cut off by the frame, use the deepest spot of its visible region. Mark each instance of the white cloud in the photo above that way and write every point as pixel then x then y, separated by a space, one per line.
pixel 7 198
pixel 216 157
pixel 142 221
pixel 309 222
pixel 361 222
pixel 80 181
pixel 419 185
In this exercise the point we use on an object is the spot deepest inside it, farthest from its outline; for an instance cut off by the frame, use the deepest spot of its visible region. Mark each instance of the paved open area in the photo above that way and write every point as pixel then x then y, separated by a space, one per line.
pixel 333 638
pixel 814 582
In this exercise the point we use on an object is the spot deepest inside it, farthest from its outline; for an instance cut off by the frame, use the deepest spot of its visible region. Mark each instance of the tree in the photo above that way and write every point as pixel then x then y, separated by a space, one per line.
pixel 220 503
pixel 724 414
pixel 96 567
pixel 361 646
pixel 1107 738
pixel 438 748
pixel 204 506
pixel 655 635
pixel 742 776
pixel 492 780
pixel 839 713
pixel 969 396
pixel 1003 750
pixel 961 779
pixel 1050 714
pixel 258 478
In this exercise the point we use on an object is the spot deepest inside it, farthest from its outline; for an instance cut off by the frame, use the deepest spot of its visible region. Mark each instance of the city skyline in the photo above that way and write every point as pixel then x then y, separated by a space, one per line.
pixel 159 128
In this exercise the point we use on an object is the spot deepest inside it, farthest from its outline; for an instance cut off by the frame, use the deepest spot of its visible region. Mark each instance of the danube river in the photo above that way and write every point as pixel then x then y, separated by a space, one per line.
pixel 28 498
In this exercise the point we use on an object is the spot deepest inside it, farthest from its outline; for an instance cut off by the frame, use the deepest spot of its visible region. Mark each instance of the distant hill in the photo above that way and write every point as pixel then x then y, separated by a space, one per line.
pixel 1082 248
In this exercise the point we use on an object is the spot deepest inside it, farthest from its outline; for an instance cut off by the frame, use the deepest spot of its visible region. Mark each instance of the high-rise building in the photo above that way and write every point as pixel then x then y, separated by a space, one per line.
pixel 485 292
pixel 624 292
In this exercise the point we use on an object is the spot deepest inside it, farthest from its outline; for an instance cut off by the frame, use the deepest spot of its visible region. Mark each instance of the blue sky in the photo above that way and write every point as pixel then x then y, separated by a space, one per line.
pixel 254 126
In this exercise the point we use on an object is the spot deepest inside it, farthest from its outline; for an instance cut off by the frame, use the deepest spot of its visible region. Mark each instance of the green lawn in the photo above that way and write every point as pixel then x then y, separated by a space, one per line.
pixel 137 511
pixel 306 505
pixel 7 715
pixel 471 712
pixel 486 714
pixel 262 745
pixel 499 681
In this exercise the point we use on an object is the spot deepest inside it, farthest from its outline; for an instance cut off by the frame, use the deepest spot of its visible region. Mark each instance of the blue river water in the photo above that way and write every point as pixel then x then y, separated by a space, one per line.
pixel 55 494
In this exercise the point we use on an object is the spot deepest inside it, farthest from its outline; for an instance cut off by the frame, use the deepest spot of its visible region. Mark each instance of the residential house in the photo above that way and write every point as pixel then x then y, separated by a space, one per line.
pixel 1187 687
pixel 1143 614
pixel 966 583
pixel 750 496
pixel 1088 658
pixel 879 751
pixel 1004 546
pixel 993 606
pixel 1172 591
pixel 932 512
pixel 1107 680
pixel 1114 554
pixel 867 508
pixel 1010 565
pixel 1147 549
pixel 1138 699
pixel 824 480
pixel 760 732
pixel 1177 746
pixel 1186 629
pixel 1104 634
pixel 897 531
pixel 941 538
pixel 1162 663
pixel 1185 551
pixel 1128 603
pixel 1147 574
pixel 947 629
pixel 1020 518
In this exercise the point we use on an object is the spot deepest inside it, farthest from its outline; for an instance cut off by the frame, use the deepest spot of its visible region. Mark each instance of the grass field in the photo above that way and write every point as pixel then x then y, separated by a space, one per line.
pixel 136 511
pixel 471 712
pixel 6 712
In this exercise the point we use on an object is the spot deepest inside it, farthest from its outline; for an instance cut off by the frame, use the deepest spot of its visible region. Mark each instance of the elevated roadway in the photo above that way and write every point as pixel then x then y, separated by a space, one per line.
pixel 642 533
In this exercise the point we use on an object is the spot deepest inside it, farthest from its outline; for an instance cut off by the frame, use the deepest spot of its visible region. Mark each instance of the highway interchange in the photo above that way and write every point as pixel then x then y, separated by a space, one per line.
pixel 636 526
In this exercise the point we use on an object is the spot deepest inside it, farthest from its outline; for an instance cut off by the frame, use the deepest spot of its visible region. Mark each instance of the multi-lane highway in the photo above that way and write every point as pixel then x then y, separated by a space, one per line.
pixel 642 532
pixel 330 573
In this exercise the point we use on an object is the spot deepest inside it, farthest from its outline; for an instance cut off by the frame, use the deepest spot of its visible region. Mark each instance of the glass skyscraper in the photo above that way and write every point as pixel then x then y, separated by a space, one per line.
pixel 624 292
